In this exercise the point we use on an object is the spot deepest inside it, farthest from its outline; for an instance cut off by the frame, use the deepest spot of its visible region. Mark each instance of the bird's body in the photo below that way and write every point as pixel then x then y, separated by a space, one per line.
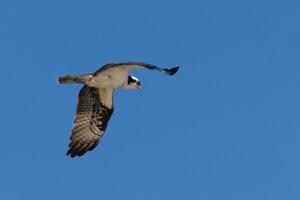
pixel 112 78
pixel 95 101
pixel 109 79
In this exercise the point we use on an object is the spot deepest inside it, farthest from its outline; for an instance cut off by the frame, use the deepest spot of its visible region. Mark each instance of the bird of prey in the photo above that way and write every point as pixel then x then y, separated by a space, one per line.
pixel 95 101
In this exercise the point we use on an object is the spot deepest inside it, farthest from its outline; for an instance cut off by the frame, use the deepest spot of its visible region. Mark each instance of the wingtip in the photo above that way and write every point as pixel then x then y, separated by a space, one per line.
pixel 71 155
pixel 68 153
pixel 171 71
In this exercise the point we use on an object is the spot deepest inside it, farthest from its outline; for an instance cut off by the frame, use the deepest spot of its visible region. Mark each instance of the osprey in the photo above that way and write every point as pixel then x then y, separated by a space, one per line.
pixel 95 101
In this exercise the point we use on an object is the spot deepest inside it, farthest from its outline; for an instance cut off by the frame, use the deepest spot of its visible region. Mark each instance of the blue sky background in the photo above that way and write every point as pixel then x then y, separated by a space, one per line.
pixel 225 127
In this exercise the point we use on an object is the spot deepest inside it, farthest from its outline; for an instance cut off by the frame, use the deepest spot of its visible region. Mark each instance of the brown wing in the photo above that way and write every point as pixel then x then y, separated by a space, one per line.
pixel 90 122
pixel 136 65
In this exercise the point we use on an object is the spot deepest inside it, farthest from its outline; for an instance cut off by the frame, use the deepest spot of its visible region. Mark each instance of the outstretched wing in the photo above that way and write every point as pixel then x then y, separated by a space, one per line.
pixel 90 122
pixel 135 65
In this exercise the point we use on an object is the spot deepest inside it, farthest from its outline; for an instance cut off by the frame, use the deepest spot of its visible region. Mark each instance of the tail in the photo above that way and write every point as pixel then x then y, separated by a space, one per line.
pixel 68 79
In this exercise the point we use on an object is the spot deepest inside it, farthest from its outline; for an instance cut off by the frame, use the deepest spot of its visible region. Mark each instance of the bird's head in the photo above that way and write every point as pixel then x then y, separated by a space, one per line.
pixel 132 83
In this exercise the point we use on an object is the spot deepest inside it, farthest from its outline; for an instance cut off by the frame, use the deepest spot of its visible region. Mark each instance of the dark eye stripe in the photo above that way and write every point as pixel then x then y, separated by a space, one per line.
pixel 130 80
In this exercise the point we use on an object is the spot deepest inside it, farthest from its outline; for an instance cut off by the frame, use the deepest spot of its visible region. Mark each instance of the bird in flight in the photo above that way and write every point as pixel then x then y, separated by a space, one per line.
pixel 95 101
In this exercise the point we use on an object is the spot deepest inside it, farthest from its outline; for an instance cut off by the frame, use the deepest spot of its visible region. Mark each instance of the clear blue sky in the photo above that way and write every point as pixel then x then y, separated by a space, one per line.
pixel 225 127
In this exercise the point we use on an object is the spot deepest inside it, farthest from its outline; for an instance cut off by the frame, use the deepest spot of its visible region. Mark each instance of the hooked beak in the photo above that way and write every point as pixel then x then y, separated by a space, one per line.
pixel 139 85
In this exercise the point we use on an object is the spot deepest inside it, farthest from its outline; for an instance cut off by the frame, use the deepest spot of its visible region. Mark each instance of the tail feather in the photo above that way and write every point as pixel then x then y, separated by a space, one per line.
pixel 68 79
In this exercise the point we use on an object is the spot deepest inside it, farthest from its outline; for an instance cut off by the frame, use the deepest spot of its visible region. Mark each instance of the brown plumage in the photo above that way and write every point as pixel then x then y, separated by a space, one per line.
pixel 90 122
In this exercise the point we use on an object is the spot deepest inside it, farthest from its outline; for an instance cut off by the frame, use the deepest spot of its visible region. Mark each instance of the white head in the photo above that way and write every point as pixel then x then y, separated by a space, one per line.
pixel 132 83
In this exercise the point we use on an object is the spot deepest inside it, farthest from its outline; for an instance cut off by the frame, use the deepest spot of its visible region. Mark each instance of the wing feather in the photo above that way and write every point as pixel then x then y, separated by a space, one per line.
pixel 90 122
pixel 136 65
